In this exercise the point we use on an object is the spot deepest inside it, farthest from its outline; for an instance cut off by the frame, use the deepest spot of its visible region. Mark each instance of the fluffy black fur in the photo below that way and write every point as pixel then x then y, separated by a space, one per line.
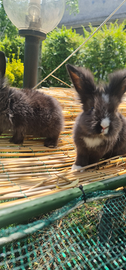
pixel 99 102
pixel 28 111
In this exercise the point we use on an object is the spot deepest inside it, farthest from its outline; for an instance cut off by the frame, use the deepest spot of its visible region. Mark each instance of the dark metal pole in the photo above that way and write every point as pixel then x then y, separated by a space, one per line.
pixel 31 55
pixel 31 61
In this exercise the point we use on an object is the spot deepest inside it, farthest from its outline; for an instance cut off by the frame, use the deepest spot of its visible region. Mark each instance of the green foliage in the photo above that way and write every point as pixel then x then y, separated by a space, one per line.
pixel 102 54
pixel 15 46
pixel 72 6
pixel 14 72
pixel 105 51
pixel 6 27
pixel 59 44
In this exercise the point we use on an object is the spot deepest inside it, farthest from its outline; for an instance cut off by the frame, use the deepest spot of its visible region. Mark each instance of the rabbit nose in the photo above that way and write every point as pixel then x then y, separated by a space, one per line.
pixel 105 125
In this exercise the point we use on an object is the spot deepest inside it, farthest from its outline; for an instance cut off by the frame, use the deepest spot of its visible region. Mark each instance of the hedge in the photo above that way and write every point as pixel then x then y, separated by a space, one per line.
pixel 102 54
pixel 14 72
pixel 59 44
pixel 105 51
pixel 13 47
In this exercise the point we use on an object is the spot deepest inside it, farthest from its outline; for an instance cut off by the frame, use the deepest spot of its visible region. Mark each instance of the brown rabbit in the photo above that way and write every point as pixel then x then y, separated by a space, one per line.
pixel 28 111
pixel 100 130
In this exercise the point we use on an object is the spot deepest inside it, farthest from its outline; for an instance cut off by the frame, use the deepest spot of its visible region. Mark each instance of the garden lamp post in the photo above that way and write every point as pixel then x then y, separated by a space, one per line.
pixel 34 19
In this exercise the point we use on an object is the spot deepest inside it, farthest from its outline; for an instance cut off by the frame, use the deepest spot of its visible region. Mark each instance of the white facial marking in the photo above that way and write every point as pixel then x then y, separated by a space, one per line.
pixel 105 98
pixel 105 122
pixel 105 125
pixel 76 167
pixel 92 142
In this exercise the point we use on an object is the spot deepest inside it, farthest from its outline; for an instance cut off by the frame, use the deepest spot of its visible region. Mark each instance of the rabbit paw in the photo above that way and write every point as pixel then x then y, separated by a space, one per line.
pixel 50 142
pixel 76 167
pixel 17 140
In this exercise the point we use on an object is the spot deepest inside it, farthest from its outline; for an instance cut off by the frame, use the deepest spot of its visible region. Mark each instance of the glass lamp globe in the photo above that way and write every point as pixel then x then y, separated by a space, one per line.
pixel 39 15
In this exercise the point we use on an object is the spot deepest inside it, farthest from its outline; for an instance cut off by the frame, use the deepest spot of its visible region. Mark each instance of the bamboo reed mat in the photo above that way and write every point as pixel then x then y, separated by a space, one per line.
pixel 31 170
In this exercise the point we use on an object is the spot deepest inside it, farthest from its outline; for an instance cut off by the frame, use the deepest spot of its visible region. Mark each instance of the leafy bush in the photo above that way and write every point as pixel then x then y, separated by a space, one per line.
pixel 14 51
pixel 59 44
pixel 105 51
pixel 14 72
pixel 13 46
pixel 6 27
pixel 72 6
pixel 102 54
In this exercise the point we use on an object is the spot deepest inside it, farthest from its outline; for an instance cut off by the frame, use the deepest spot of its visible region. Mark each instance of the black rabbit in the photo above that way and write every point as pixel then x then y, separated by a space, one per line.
pixel 28 111
pixel 100 130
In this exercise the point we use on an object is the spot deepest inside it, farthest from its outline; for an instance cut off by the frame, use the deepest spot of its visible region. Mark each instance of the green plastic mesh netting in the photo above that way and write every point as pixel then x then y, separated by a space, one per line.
pixel 80 235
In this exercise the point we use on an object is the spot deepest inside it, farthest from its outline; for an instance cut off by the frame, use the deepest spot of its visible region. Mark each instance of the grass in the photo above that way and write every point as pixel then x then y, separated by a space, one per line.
pixel 71 242
pixel 84 217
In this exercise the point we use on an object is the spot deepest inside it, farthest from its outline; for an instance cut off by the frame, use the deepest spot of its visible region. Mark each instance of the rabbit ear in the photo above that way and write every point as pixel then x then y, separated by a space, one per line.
pixel 117 85
pixel 84 84
pixel 2 64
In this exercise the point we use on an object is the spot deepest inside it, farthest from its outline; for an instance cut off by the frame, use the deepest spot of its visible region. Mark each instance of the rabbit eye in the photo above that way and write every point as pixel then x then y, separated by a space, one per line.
pixel 90 110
